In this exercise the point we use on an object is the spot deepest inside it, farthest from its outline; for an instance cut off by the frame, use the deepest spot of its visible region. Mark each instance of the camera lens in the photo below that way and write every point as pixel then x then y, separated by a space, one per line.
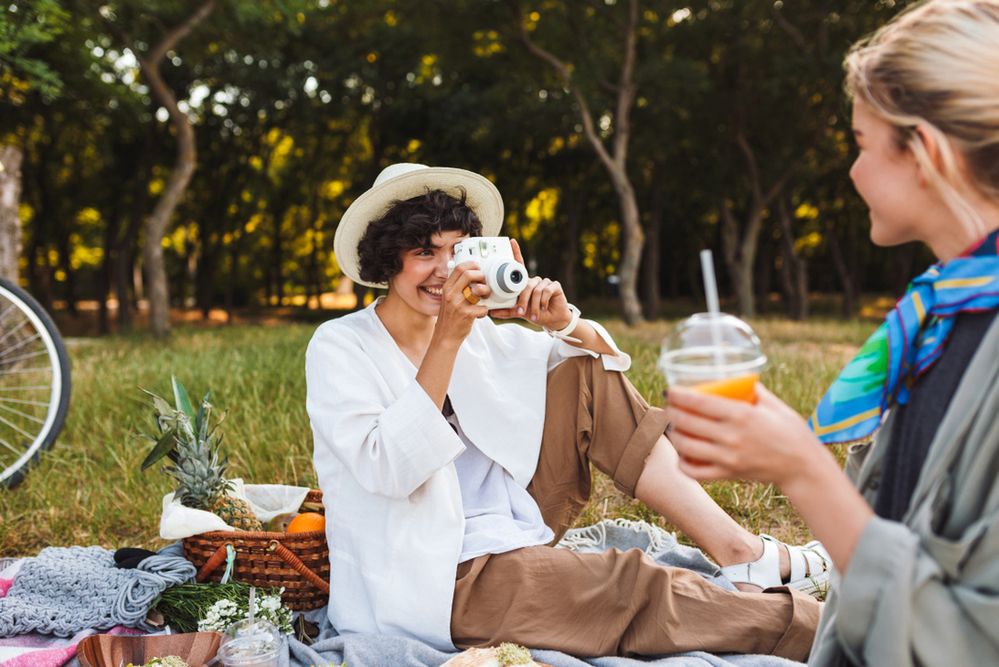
pixel 516 276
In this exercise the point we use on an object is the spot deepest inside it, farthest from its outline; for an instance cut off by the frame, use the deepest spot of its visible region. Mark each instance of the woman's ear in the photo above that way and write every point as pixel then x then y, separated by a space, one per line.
pixel 932 148
pixel 943 158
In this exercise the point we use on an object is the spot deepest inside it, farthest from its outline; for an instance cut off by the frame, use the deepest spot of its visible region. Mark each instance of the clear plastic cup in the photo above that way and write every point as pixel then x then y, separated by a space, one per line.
pixel 246 644
pixel 714 353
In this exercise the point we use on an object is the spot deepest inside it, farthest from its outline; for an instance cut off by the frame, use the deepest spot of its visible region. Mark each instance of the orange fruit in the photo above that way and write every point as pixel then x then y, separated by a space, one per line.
pixel 307 522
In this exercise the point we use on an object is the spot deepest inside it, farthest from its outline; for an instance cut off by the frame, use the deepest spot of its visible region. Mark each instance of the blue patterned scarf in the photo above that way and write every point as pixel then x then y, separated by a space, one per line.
pixel 909 342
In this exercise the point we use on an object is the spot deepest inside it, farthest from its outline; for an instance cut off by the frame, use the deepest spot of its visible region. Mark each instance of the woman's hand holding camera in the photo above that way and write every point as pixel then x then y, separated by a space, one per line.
pixel 542 301
pixel 458 313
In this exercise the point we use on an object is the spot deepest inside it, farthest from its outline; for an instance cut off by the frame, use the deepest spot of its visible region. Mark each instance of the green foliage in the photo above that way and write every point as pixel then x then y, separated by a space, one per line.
pixel 298 105
pixel 25 27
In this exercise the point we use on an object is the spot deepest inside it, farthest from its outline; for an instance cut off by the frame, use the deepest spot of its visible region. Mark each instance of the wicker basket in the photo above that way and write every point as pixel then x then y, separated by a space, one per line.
pixel 297 561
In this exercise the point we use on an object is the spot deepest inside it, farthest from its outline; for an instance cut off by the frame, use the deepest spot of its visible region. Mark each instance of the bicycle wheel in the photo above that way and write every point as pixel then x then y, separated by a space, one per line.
pixel 34 382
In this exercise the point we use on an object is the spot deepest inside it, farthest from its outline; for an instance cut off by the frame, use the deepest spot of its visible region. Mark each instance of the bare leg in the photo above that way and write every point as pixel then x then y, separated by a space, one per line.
pixel 682 500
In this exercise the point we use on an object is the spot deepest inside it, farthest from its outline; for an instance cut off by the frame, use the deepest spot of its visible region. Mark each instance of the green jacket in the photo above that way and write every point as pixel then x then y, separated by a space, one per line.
pixel 926 591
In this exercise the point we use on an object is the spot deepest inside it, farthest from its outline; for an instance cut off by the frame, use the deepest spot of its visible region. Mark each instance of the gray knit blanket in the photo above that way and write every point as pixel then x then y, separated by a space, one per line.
pixel 67 589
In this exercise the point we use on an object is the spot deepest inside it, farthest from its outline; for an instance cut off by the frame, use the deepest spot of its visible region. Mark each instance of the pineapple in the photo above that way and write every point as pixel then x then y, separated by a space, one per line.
pixel 198 468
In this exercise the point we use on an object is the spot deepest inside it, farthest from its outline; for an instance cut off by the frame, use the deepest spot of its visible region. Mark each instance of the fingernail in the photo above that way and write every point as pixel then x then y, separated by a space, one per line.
pixel 534 318
pixel 520 311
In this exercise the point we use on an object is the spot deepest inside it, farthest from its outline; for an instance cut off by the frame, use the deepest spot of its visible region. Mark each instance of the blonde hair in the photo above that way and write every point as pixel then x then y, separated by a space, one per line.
pixel 936 67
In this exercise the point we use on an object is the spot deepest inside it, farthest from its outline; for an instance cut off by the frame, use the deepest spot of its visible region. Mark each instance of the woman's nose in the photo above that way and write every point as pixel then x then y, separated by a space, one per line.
pixel 442 263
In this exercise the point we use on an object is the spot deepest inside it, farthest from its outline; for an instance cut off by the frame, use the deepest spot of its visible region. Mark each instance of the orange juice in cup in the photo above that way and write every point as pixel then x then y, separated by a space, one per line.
pixel 716 354
pixel 741 388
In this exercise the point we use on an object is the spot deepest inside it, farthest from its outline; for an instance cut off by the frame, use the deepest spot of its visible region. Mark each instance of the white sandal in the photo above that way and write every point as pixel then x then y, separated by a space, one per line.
pixel 810 567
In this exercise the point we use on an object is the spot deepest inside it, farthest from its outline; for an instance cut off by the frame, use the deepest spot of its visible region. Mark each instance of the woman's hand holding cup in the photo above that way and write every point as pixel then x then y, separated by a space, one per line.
pixel 722 438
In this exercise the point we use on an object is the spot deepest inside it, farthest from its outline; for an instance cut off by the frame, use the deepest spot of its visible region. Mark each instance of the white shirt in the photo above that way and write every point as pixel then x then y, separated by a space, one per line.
pixel 500 515
pixel 384 456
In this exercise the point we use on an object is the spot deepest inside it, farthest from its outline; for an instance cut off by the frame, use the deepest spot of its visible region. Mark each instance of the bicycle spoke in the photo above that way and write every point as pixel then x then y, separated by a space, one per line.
pixel 9 308
pixel 30 355
pixel 17 428
pixel 23 414
pixel 20 401
pixel 10 447
pixel 22 371
pixel 24 342
pixel 14 330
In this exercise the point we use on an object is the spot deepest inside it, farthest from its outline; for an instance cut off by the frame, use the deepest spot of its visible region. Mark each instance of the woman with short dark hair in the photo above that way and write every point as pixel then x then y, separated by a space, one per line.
pixel 453 452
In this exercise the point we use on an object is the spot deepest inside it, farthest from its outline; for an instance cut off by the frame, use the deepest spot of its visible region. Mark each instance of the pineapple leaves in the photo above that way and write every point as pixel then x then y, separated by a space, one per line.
pixel 159 403
pixel 163 446
pixel 181 398
pixel 192 443
pixel 201 421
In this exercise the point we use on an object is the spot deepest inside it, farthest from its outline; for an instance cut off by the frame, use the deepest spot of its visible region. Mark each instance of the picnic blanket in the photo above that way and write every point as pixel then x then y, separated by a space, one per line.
pixel 37 650
pixel 330 648
pixel 377 650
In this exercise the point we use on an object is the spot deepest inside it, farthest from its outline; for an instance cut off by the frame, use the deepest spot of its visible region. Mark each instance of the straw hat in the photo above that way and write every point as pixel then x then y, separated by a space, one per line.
pixel 406 180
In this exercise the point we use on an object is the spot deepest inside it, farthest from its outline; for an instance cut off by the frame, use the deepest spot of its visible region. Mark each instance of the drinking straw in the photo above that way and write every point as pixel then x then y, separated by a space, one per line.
pixel 711 293
pixel 710 286
pixel 253 605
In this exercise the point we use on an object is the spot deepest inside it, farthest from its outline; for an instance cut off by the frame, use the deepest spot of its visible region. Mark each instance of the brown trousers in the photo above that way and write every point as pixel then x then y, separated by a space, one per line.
pixel 611 603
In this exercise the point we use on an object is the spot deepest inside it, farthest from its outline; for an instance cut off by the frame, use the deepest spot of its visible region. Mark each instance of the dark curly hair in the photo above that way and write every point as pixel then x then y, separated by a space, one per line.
pixel 410 224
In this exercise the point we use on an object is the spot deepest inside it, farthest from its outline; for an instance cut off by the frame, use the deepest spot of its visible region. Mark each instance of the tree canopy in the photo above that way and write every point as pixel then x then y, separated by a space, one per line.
pixel 737 139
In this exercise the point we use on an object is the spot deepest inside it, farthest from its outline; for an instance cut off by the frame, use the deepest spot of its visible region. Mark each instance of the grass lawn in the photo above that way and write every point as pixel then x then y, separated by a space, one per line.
pixel 88 488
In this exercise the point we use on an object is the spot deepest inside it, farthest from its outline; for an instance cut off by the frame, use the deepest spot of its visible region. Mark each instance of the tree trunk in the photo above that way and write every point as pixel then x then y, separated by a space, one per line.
pixel 793 269
pixel 107 265
pixel 762 275
pixel 40 272
pixel 64 252
pixel 729 233
pixel 159 220
pixel 570 247
pixel 313 281
pixel 616 160
pixel 10 220
pixel 125 255
pixel 740 249
pixel 634 240
pixel 277 259
pixel 846 278
pixel 740 255
pixel 651 256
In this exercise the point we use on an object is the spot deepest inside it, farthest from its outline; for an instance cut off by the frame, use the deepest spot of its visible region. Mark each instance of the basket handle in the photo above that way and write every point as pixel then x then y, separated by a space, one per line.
pixel 211 564
pixel 295 563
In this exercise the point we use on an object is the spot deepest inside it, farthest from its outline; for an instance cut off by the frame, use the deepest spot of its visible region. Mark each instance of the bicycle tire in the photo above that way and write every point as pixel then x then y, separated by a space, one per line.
pixel 59 394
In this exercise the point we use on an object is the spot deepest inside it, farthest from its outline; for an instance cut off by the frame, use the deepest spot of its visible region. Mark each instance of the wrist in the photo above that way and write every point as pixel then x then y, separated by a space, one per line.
pixel 562 324
pixel 563 332
pixel 445 343
pixel 809 474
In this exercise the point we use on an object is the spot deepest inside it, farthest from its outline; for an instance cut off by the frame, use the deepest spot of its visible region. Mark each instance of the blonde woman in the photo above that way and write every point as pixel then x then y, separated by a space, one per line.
pixel 917 538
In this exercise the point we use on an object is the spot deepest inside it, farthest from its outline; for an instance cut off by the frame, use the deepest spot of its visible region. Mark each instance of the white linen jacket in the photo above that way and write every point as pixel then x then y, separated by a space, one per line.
pixel 384 456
